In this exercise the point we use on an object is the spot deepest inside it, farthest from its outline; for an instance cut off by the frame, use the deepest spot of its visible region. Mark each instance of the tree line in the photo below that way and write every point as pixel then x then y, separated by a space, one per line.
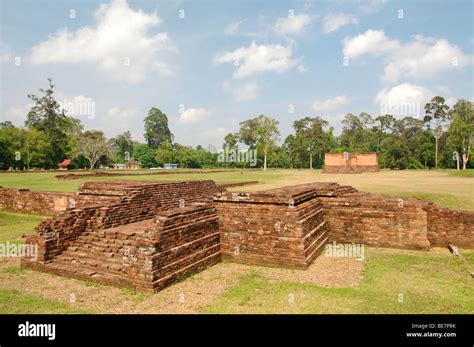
pixel 443 138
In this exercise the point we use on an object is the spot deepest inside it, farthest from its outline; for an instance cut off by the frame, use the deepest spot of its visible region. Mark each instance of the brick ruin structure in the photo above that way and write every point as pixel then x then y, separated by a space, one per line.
pixel 350 162
pixel 148 235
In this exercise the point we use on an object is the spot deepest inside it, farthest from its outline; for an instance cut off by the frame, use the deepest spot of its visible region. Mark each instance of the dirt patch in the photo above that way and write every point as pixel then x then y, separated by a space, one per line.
pixel 188 296
pixel 331 272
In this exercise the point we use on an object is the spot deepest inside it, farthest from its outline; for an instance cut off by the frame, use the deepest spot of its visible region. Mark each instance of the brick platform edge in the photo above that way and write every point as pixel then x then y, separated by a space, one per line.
pixel 147 255
pixel 148 235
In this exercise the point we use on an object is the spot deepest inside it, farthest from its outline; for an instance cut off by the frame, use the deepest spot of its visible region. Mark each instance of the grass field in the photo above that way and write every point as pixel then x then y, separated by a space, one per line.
pixel 387 281
pixel 446 188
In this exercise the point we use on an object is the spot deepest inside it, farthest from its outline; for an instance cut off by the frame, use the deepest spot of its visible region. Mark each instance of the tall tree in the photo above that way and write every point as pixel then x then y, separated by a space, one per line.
pixel 123 144
pixel 311 137
pixel 92 144
pixel 156 128
pixel 47 116
pixel 248 132
pixel 436 114
pixel 461 131
pixel 267 135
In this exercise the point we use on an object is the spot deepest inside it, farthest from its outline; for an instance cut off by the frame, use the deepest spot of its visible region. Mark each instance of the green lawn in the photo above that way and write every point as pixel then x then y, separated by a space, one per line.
pixel 447 188
pixel 423 282
pixel 14 225
pixel 14 302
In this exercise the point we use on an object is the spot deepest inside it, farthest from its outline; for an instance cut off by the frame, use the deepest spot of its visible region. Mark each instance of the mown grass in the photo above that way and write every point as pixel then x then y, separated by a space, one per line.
pixel 14 225
pixel 14 302
pixel 419 282
pixel 446 188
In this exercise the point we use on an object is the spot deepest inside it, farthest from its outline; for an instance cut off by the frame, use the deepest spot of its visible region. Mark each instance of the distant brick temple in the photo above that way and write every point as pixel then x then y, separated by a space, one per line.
pixel 350 162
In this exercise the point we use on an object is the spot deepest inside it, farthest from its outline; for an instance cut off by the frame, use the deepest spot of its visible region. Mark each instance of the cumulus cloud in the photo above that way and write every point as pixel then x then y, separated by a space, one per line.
pixel 330 104
pixel 422 57
pixel 6 54
pixel 373 42
pixel 292 25
pixel 333 22
pixel 193 115
pixel 405 99
pixel 258 58
pixel 120 43
pixel 245 92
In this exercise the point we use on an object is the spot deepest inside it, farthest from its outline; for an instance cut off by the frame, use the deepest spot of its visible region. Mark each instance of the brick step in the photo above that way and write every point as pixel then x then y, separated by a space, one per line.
pixel 98 246
pixel 91 258
pixel 92 263
pixel 102 240
pixel 85 272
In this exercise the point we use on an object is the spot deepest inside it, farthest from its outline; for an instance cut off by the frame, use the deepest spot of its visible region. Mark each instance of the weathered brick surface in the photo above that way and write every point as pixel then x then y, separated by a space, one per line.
pixel 143 240
pixel 119 203
pixel 136 234
pixel 279 227
pixel 350 163
pixel 376 221
pixel 446 226
pixel 26 201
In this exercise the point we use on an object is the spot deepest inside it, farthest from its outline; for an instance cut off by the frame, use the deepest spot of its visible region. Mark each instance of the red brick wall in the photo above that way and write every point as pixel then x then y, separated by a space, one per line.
pixel 376 221
pixel 260 228
pixel 26 201
pixel 447 226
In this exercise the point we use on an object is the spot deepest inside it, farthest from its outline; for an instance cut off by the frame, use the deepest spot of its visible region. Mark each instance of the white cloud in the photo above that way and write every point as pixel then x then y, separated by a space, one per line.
pixel 291 25
pixel 372 42
pixel 120 44
pixel 330 104
pixel 423 57
pixel 193 115
pixel 258 58
pixel 405 99
pixel 6 54
pixel 233 28
pixel 117 120
pixel 332 22
pixel 245 92
pixel 18 114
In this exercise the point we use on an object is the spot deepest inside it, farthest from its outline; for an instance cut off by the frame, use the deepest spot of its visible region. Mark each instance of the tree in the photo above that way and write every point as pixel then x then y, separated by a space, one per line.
pixel 123 144
pixel 436 112
pixel 11 144
pixel 268 133
pixel 92 144
pixel 36 148
pixel 156 128
pixel 144 154
pixel 310 138
pixel 47 116
pixel 427 147
pixel 248 133
pixel 461 131
pixel 165 153
pixel 352 132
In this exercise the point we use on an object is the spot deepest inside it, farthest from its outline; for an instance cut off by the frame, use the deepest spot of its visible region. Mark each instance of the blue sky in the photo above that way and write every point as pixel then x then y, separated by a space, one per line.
pixel 209 65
